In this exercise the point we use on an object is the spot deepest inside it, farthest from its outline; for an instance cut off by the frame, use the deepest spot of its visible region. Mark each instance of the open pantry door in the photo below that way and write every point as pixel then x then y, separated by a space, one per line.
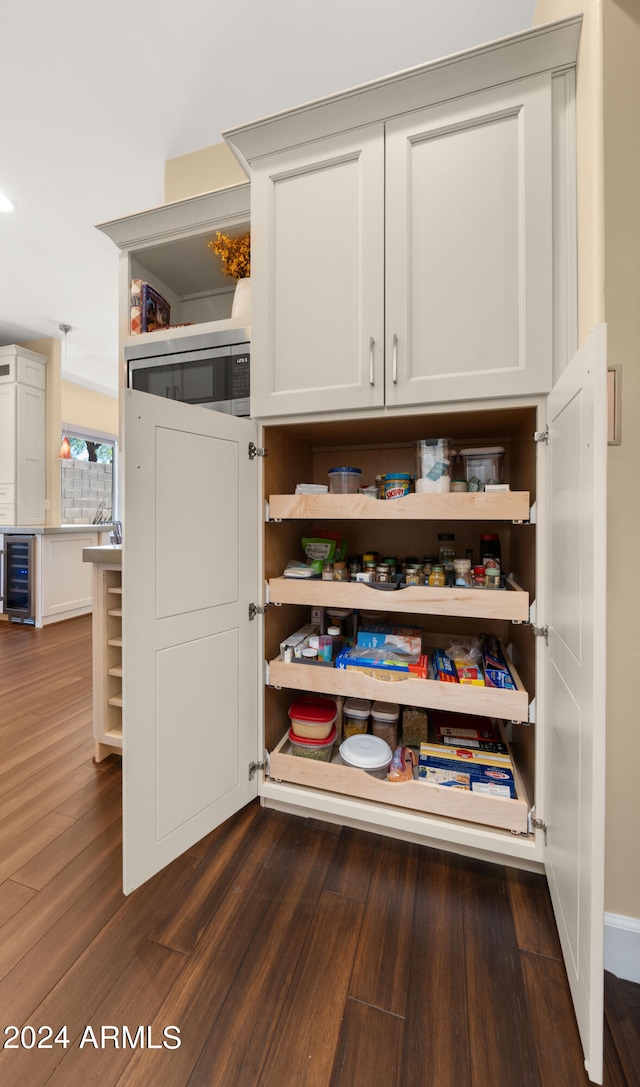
pixel 576 514
pixel 190 676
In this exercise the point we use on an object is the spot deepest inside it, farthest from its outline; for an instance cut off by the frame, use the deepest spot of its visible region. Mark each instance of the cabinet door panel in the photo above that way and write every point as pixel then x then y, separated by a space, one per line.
pixel 30 477
pixel 8 434
pixel 575 705
pixel 469 247
pixel 190 652
pixel 318 277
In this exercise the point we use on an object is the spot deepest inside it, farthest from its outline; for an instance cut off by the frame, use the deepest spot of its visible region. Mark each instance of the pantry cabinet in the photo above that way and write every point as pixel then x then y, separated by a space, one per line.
pixel 206 698
pixel 22 435
pixel 413 258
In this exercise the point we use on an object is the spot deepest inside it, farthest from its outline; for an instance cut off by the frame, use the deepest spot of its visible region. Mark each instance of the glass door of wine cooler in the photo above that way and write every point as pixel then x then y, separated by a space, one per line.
pixel 19 578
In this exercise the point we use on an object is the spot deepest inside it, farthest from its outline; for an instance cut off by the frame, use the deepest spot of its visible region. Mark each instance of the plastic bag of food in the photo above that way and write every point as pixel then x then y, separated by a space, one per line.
pixel 466 655
pixel 402 764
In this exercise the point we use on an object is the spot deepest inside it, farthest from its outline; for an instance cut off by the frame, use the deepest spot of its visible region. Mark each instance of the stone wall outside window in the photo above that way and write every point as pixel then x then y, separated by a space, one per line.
pixel 86 492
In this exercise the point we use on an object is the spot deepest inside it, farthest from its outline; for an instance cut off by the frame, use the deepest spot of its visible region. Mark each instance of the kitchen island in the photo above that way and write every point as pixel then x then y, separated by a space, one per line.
pixel 61 582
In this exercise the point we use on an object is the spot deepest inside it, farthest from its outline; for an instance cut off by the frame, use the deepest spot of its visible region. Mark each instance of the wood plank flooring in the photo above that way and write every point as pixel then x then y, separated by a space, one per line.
pixel 288 953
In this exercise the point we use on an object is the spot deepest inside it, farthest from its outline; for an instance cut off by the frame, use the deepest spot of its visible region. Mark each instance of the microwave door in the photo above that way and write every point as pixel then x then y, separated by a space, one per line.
pixel 200 376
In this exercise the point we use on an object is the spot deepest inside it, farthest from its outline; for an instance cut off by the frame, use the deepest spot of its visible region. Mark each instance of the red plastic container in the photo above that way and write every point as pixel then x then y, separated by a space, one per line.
pixel 312 718
pixel 313 749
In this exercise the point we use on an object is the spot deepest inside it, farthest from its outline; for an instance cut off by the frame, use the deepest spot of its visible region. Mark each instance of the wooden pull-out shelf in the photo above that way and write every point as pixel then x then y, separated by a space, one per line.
pixel 511 603
pixel 407 690
pixel 478 506
pixel 334 776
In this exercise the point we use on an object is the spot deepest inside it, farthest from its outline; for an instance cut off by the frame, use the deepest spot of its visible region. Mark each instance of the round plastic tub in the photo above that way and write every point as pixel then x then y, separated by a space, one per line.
pixel 320 750
pixel 384 722
pixel 355 717
pixel 368 753
pixel 396 484
pixel 344 480
pixel 312 718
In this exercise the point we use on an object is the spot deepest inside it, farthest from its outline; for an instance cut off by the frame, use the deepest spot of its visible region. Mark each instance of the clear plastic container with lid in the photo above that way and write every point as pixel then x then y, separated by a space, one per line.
pixel 320 750
pixel 344 480
pixel 356 713
pixel 483 465
pixel 433 465
pixel 369 753
pixel 312 718
pixel 384 722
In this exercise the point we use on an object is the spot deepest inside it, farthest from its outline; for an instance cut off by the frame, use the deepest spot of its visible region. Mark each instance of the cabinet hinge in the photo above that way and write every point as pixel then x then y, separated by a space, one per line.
pixel 255 766
pixel 537 824
pixel 257 609
pixel 542 435
pixel 256 451
pixel 541 632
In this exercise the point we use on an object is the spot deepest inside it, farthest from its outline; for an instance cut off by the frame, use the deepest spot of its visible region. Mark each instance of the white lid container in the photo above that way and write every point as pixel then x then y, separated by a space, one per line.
pixel 366 752
pixel 357 707
pixel 385 711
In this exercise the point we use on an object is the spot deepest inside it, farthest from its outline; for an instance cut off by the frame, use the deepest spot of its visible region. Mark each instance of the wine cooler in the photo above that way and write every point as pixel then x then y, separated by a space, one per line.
pixel 17 590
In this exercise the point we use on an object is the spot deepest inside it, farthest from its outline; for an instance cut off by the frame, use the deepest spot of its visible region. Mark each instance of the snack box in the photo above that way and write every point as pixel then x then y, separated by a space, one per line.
pixel 496 671
pixel 490 774
pixel 465 730
pixel 381 667
pixel 443 667
pixel 406 639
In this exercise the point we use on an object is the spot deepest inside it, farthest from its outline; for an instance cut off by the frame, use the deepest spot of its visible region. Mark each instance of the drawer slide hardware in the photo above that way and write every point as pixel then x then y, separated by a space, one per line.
pixel 256 451
pixel 542 435
pixel 257 609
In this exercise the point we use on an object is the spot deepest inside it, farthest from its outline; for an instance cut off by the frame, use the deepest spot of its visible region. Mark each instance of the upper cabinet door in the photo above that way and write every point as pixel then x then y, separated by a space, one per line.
pixel 190 653
pixel 317 308
pixel 469 247
pixel 574 667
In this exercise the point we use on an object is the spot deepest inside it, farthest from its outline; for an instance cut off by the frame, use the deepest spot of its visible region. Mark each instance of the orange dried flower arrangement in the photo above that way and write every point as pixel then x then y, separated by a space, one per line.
pixel 235 254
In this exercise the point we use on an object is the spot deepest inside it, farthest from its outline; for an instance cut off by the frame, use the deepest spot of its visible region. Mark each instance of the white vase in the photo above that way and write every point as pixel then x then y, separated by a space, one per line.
pixel 242 298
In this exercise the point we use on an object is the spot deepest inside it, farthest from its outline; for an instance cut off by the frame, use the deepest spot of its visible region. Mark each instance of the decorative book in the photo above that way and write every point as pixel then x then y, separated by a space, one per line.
pixel 149 310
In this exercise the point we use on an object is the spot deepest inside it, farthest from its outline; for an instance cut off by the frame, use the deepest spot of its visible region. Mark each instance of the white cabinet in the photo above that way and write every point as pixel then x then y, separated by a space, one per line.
pixel 168 248
pixel 410 259
pixel 22 436
pixel 65 580
pixel 204 732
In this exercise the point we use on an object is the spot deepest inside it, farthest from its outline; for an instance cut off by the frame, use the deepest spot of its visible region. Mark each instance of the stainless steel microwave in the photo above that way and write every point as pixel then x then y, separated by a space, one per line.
pixel 211 369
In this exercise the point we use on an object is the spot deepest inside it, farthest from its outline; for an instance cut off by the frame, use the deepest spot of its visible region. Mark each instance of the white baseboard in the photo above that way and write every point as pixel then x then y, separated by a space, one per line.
pixel 622 946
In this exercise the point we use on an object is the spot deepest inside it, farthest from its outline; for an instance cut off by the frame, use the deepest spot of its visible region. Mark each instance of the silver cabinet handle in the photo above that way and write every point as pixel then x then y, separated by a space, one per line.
pixel 395 359
pixel 167 392
pixel 372 344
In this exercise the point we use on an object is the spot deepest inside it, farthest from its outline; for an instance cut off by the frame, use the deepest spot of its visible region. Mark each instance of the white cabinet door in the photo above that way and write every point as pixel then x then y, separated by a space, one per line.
pixel 469 247
pixel 30 477
pixel 190 653
pixel 8 434
pixel 575 678
pixel 317 307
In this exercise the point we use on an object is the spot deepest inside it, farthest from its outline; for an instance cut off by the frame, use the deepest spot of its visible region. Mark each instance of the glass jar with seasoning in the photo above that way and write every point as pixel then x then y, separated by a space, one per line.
pixel 383 573
pixel 462 573
pixel 437 576
pixel 340 572
pixel 492 577
pixel 446 550
pixel 327 571
pixel 413 575
pixel 478 576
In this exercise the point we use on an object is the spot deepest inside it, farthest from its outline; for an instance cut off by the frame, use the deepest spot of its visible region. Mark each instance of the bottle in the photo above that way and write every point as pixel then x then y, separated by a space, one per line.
pixel 462 573
pixel 447 550
pixel 490 554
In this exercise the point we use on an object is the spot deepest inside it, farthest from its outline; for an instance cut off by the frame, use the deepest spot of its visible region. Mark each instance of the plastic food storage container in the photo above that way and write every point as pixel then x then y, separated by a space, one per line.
pixel 368 753
pixel 484 465
pixel 355 719
pixel 312 718
pixel 384 722
pixel 344 480
pixel 433 464
pixel 320 750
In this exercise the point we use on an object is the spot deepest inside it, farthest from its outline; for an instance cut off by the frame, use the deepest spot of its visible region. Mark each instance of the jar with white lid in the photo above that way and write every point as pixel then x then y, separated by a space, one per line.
pixel 368 753
pixel 355 717
pixel 384 722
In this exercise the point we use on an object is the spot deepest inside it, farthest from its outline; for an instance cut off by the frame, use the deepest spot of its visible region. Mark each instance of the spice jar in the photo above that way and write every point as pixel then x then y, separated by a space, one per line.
pixel 447 550
pixel 462 572
pixel 413 575
pixel 492 577
pixel 340 572
pixel 327 571
pixel 478 575
pixel 383 573
pixel 437 576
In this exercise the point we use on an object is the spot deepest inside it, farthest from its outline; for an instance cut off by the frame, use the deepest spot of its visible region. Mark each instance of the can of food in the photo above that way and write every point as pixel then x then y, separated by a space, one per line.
pixel 396 484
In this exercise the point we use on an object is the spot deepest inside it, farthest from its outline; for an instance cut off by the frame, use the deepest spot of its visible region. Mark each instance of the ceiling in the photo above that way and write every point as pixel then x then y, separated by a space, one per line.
pixel 98 97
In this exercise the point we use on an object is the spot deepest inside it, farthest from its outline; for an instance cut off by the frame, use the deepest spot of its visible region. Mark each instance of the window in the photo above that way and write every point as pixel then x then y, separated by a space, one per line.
pixel 88 479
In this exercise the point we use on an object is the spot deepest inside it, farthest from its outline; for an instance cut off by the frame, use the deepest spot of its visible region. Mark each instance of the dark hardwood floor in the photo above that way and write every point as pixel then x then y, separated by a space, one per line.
pixel 288 953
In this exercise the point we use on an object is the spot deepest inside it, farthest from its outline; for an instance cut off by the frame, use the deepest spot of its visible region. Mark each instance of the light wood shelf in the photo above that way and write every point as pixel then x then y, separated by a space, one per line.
pixel 477 506
pixel 115 700
pixel 511 603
